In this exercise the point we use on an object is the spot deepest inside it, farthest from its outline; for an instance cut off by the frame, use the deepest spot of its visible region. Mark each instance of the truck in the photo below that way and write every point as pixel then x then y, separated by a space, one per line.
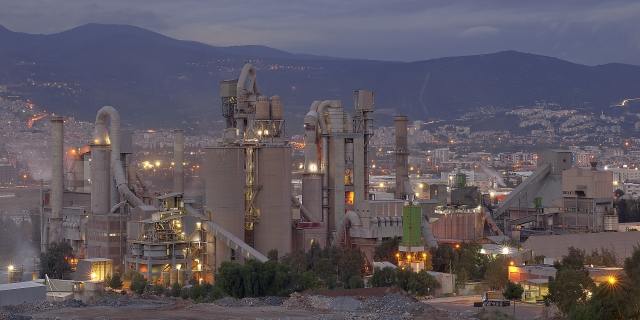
pixel 494 298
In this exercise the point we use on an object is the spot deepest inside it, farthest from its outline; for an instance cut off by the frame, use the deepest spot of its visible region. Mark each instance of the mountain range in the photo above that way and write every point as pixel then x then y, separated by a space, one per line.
pixel 157 80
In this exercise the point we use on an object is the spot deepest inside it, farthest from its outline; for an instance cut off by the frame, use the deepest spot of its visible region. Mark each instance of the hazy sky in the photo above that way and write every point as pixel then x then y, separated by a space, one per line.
pixel 584 31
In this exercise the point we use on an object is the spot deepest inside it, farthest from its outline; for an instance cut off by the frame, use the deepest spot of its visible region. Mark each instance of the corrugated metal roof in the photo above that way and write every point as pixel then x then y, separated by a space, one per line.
pixel 556 246
pixel 19 285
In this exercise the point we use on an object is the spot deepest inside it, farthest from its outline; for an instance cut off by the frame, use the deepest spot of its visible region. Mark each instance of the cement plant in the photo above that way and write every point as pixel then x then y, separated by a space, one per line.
pixel 260 204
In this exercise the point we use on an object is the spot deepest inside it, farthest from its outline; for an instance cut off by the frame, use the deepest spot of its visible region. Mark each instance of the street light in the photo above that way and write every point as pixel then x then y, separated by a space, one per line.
pixel 611 280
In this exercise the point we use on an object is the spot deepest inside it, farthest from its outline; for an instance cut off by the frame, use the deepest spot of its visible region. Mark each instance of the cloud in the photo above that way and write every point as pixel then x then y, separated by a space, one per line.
pixel 479 31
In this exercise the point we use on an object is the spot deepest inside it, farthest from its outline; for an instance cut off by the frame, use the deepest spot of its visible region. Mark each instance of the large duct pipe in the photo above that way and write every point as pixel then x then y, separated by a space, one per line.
pixel 402 154
pixel 427 233
pixel 350 219
pixel 102 136
pixel 178 159
pixel 247 70
pixel 102 139
pixel 57 176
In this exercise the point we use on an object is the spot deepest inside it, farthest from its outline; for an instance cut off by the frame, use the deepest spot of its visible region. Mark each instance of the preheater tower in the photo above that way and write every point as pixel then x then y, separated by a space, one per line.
pixel 248 183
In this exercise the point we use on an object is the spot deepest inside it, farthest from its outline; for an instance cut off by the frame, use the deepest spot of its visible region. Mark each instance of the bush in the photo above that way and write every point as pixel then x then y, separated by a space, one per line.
pixel 356 282
pixel 138 283
pixel 308 281
pixel 175 290
pixel 184 293
pixel 115 282
pixel 157 289
pixel 216 293
pixel 123 292
pixel 197 292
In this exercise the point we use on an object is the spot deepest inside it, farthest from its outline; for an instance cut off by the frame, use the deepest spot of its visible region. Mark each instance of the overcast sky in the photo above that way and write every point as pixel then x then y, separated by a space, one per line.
pixel 583 31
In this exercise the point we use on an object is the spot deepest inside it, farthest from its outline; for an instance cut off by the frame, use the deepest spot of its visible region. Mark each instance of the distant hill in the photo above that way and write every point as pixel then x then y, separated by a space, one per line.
pixel 154 79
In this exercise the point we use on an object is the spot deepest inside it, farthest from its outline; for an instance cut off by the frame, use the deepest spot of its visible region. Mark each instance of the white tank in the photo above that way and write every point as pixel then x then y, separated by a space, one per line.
pixel 274 200
pixel 224 180
pixel 276 108
pixel 262 108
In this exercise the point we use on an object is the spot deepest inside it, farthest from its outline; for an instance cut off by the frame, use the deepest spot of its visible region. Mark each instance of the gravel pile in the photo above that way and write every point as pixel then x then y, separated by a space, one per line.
pixel 392 304
pixel 228 302
pixel 345 303
pixel 273 301
pixel 358 316
pixel 262 301
pixel 298 301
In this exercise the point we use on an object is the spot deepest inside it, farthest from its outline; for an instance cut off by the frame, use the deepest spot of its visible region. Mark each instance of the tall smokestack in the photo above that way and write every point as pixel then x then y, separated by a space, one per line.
pixel 100 177
pixel 57 175
pixel 402 155
pixel 178 159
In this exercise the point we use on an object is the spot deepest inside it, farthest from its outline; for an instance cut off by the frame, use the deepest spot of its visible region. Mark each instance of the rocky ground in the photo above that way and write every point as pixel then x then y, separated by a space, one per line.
pixel 298 306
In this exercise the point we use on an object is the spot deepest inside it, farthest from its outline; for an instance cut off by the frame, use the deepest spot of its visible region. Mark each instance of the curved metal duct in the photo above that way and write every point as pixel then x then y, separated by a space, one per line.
pixel 350 219
pixel 102 136
pixel 247 70
pixel 427 233
pixel 304 210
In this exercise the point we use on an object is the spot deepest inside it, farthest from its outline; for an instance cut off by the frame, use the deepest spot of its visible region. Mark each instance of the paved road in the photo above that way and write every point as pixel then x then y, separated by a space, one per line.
pixel 464 304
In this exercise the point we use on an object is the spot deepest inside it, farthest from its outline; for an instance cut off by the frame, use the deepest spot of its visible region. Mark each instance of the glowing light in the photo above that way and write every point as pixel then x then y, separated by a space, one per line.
pixel 421 185
pixel 93 275
pixel 266 132
pixel 313 168
pixel 511 263
pixel 611 280
pixel 10 268
pixel 157 163
pixel 178 266
pixel 381 184
pixel 505 250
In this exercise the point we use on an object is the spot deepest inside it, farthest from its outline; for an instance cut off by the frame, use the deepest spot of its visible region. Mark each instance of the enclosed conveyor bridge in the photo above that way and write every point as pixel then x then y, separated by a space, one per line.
pixel 227 238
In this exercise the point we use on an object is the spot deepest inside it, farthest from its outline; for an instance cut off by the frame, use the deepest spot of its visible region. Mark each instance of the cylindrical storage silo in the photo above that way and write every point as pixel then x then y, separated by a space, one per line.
pixel 181 276
pixel 225 178
pixel 262 108
pixel 166 280
pixel 173 277
pixel 273 201
pixel 100 179
pixel 276 108
pixel 15 274
pixel 312 194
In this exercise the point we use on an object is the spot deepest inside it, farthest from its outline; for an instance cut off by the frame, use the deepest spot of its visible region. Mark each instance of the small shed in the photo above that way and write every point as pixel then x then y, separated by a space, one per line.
pixel 19 292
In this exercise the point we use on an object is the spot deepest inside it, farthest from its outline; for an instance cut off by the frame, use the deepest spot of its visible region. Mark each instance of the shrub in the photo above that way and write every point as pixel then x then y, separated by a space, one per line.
pixel 115 282
pixel 356 282
pixel 138 283
pixel 157 289
pixel 216 293
pixel 197 292
pixel 175 290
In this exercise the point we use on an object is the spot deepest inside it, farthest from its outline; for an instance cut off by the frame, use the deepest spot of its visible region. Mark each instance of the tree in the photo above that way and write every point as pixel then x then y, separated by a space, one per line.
pixel 308 281
pixel 55 261
pixel 422 283
pixel 387 251
pixel 513 292
pixel 138 283
pixel 355 282
pixel 115 282
pixel 461 279
pixel 272 255
pixel 569 289
pixel 497 273
pixel 384 277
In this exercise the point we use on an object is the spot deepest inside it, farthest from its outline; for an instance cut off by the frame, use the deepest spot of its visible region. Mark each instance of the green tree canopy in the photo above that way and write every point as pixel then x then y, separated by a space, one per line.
pixel 55 262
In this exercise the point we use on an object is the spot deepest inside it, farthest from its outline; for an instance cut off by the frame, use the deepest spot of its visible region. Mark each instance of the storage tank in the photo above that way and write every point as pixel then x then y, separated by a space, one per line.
pixel 312 194
pixel 181 276
pixel 610 223
pixel 225 195
pixel 262 108
pixel 15 274
pixel 276 108
pixel 100 178
pixel 273 201
pixel 173 277
pixel 166 278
